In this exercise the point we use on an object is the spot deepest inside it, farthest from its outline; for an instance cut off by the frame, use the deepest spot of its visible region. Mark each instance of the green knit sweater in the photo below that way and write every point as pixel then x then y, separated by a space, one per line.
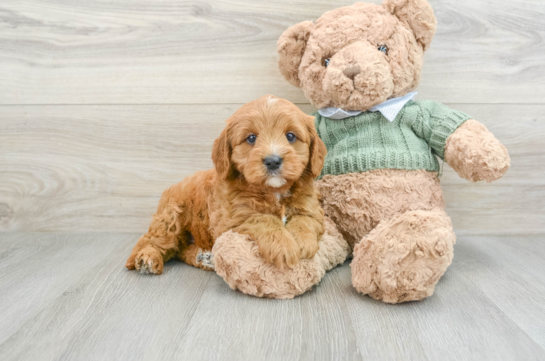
pixel 369 141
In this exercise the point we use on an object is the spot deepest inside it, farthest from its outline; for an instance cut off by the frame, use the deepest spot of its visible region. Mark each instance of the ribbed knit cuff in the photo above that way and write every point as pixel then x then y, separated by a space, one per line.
pixel 444 127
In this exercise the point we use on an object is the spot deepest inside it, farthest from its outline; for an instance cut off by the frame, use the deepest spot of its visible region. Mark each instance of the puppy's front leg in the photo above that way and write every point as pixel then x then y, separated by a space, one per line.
pixel 307 231
pixel 306 221
pixel 276 244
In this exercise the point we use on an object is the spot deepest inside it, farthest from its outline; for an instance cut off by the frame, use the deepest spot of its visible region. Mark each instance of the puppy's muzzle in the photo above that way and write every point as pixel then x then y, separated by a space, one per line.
pixel 272 162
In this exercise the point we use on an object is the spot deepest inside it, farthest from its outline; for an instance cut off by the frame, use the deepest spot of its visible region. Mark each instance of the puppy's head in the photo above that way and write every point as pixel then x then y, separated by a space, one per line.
pixel 271 143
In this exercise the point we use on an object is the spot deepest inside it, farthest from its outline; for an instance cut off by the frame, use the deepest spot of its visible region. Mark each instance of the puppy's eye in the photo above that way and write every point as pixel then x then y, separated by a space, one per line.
pixel 384 49
pixel 326 62
pixel 251 139
pixel 291 137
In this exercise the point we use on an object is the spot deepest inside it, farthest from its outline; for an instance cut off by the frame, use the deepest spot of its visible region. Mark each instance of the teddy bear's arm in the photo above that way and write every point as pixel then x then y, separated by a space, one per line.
pixel 475 154
pixel 465 144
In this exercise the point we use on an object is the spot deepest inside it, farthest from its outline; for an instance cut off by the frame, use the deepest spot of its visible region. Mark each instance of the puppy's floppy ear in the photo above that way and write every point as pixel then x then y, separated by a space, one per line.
pixel 221 155
pixel 291 47
pixel 418 15
pixel 318 150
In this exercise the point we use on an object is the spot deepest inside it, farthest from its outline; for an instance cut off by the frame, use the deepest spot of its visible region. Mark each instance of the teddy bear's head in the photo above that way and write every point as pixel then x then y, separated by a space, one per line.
pixel 358 56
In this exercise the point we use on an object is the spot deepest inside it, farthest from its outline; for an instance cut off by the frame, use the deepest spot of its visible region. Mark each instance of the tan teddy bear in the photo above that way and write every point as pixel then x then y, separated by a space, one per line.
pixel 359 65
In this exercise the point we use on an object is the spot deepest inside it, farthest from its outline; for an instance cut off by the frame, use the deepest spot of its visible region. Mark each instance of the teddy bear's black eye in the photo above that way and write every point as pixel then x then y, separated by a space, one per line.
pixel 326 62
pixel 291 137
pixel 383 48
pixel 251 139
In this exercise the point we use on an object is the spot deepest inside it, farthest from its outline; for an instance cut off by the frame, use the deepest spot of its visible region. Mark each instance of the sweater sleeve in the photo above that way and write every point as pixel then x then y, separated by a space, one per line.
pixel 435 123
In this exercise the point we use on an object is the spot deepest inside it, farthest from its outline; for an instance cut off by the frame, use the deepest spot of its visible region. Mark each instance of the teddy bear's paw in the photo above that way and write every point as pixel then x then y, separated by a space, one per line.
pixel 402 259
pixel 475 154
pixel 239 262
pixel 149 261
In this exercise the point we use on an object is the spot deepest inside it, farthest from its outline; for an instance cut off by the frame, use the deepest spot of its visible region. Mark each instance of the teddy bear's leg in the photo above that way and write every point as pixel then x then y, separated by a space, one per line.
pixel 403 257
pixel 238 262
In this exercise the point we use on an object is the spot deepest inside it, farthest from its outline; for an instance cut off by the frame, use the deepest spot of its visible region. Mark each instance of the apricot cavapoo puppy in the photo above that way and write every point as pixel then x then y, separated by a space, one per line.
pixel 265 162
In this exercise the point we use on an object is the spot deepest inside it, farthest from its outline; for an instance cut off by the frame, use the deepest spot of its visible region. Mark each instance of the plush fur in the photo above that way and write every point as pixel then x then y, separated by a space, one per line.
pixel 356 57
pixel 403 257
pixel 239 195
pixel 238 261
pixel 475 154
pixel 358 202
pixel 403 239
pixel 358 75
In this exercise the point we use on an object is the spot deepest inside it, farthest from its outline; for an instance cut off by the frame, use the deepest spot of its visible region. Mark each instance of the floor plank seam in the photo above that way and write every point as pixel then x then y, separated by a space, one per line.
pixel 334 274
pixel 71 285
pixel 197 303
pixel 506 315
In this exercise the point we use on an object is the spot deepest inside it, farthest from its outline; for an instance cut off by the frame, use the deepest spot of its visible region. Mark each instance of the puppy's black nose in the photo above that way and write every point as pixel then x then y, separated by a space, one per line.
pixel 273 162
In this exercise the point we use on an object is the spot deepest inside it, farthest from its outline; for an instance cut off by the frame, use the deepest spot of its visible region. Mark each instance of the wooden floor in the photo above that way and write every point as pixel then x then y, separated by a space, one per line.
pixel 69 297
pixel 104 104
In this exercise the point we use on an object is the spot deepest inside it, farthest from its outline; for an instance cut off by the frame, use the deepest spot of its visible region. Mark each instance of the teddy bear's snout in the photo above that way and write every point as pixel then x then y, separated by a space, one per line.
pixel 358 77
pixel 351 71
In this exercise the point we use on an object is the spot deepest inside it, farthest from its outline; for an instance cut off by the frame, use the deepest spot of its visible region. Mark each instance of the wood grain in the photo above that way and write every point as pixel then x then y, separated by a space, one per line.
pixel 487 307
pixel 283 330
pixel 459 322
pixel 187 52
pixel 89 168
pixel 510 273
pixel 103 104
pixel 35 269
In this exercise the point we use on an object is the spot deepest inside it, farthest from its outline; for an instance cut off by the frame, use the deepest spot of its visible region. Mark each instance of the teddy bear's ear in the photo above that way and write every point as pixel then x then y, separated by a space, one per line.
pixel 291 47
pixel 418 14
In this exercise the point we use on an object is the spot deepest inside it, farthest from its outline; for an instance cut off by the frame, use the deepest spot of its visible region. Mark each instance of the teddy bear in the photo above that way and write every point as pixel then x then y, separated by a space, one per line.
pixel 237 260
pixel 359 65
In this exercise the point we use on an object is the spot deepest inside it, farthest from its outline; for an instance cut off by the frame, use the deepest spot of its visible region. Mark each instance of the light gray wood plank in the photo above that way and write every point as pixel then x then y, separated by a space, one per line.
pixel 496 209
pixel 107 312
pixel 164 51
pixel 459 322
pixel 35 269
pixel 88 168
pixel 311 327
pixel 509 270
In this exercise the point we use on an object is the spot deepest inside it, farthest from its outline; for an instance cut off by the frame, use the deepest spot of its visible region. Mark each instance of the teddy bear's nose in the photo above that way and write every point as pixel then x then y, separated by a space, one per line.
pixel 351 71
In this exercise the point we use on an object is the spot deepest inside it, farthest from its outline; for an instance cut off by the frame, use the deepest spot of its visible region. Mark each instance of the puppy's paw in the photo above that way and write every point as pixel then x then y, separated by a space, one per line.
pixel 280 249
pixel 149 260
pixel 205 260
pixel 308 245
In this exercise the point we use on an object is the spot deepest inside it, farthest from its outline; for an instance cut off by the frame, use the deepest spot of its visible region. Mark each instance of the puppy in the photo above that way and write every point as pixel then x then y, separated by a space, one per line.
pixel 265 162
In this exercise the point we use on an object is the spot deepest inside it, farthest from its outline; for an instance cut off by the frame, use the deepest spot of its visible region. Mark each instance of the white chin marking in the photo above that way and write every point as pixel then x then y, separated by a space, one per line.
pixel 275 182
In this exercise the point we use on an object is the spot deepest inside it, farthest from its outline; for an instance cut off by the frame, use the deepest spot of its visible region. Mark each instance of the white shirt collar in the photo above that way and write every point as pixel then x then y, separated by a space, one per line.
pixel 389 109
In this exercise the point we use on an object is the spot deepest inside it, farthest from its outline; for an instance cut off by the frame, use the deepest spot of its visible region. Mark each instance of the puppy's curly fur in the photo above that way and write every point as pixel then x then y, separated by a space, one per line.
pixel 278 209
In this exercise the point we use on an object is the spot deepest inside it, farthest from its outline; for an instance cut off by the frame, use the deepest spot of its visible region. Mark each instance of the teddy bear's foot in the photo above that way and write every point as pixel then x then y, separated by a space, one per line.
pixel 238 262
pixel 403 258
